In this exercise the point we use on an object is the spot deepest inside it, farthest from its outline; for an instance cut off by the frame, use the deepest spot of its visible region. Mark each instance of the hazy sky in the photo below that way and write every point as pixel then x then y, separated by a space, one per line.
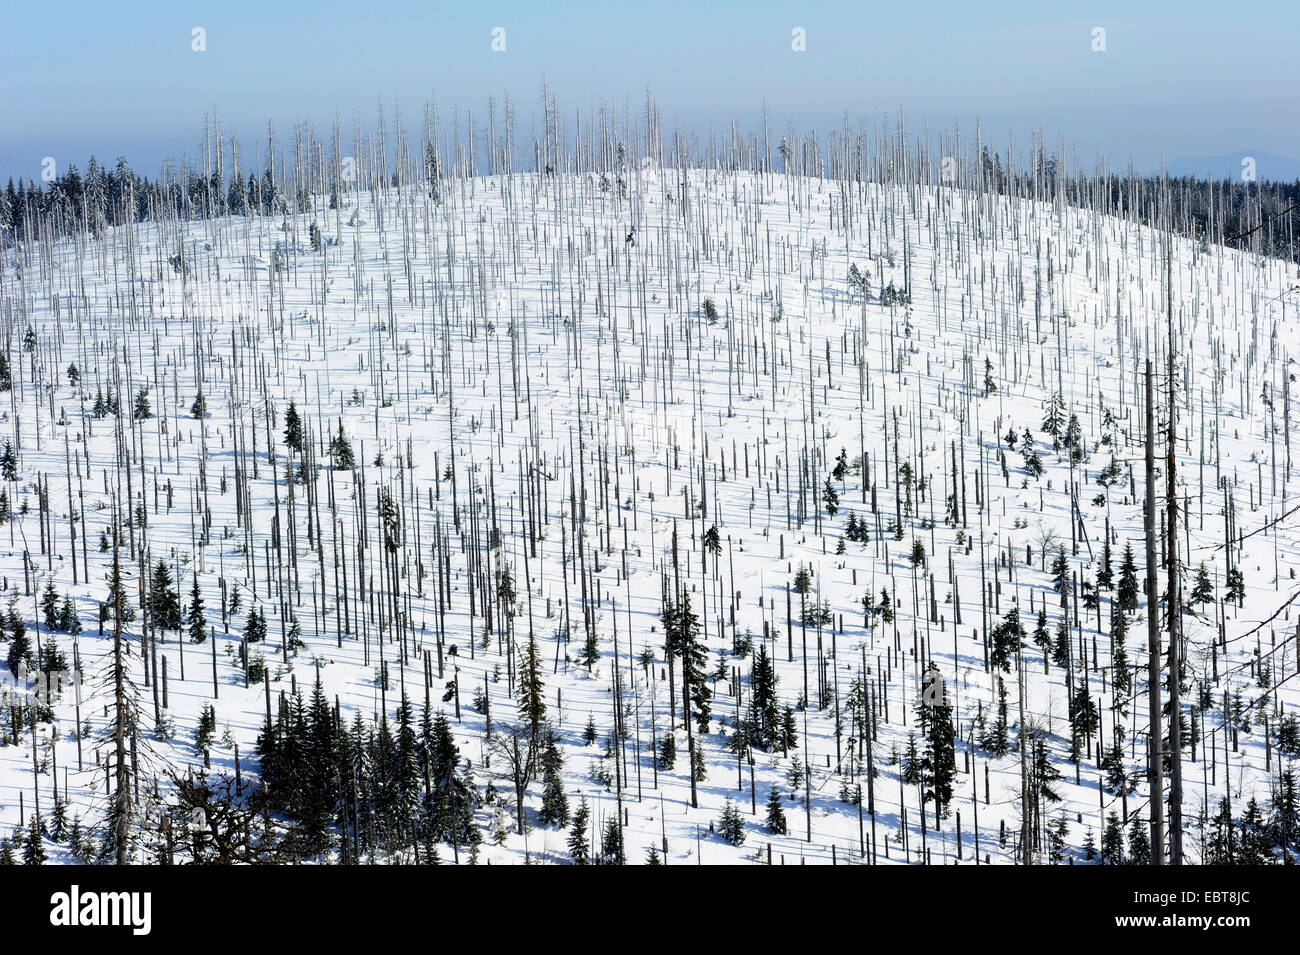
pixel 1188 78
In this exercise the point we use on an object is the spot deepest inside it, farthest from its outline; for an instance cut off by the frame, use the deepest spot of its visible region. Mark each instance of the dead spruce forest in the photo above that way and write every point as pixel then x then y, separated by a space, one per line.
pixel 564 489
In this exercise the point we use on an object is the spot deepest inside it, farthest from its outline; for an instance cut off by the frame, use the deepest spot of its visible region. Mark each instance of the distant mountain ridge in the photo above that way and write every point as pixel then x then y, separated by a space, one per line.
pixel 1267 166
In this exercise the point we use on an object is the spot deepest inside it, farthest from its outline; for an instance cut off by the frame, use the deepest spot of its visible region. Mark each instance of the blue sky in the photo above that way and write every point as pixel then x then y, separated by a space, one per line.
pixel 1189 78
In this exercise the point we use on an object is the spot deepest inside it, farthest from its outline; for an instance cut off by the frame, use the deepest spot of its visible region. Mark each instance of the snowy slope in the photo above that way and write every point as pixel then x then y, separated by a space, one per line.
pixel 536 334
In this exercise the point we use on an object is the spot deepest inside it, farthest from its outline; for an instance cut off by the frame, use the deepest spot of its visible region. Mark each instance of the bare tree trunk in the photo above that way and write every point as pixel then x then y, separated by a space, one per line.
pixel 1154 768
pixel 122 793
pixel 1174 602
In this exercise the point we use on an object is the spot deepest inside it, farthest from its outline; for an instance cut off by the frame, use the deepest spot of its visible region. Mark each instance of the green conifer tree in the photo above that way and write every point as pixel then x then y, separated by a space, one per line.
pixel 1128 582
pixel 579 847
pixel 34 844
pixel 164 603
pixel 555 806
pixel 732 824
pixel 195 620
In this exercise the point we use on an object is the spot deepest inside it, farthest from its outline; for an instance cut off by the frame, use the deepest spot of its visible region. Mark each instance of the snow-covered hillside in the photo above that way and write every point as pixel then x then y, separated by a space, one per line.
pixel 567 397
